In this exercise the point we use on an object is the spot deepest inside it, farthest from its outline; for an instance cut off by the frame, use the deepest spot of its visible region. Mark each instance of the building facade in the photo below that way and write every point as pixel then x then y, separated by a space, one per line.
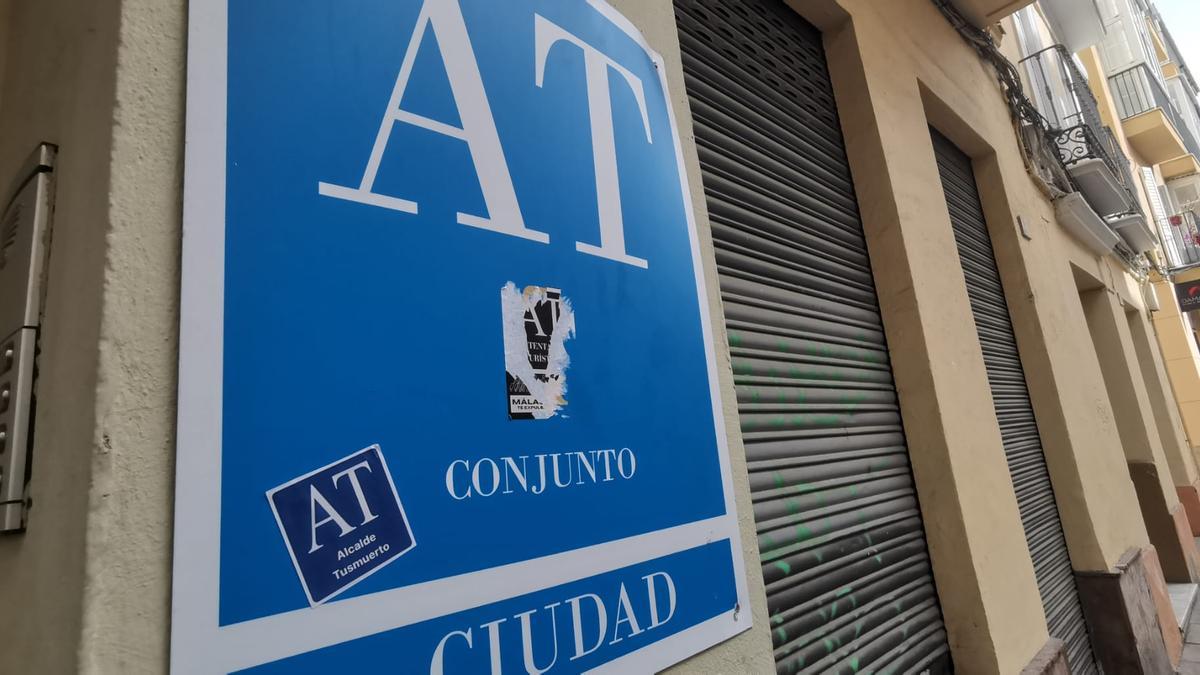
pixel 941 241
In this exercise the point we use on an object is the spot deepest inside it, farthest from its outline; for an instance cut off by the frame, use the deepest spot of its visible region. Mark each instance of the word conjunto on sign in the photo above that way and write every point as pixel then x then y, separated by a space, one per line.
pixel 534 473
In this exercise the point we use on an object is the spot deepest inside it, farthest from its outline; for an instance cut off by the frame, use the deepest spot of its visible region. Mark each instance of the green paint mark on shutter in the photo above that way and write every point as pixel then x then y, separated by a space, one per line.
pixel 784 567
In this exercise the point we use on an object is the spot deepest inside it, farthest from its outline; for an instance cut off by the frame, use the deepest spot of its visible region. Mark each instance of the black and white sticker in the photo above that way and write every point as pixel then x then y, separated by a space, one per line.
pixel 537 323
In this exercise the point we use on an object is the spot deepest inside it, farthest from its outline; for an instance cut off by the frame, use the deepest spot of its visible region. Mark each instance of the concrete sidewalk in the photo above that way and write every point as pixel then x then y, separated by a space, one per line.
pixel 1184 606
pixel 1189 664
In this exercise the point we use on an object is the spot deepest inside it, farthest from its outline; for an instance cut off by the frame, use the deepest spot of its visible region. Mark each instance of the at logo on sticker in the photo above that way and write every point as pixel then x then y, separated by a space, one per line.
pixel 341 523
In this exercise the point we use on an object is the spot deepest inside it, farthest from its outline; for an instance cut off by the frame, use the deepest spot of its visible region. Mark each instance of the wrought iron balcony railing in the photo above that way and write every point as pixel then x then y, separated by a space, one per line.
pixel 1137 91
pixel 1060 89
pixel 1124 166
pixel 1181 240
pixel 1062 95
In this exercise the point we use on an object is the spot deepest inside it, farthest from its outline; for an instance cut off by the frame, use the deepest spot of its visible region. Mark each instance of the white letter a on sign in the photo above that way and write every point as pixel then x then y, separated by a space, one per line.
pixel 445 19
pixel 315 499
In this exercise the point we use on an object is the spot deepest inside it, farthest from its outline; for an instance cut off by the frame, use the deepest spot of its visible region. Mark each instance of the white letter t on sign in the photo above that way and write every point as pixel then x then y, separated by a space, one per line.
pixel 604 145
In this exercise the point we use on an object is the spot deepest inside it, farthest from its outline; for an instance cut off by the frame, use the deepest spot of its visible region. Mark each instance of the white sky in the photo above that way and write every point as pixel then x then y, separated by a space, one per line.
pixel 1183 20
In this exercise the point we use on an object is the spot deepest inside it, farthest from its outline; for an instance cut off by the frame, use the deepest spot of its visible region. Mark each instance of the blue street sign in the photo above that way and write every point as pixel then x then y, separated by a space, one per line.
pixel 458 234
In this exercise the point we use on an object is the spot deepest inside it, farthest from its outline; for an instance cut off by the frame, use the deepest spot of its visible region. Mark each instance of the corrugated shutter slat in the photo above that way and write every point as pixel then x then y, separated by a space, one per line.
pixel 849 584
pixel 1018 426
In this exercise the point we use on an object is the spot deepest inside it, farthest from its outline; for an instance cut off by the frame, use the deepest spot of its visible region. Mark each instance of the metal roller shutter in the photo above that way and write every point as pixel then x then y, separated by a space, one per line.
pixel 849 585
pixel 1018 427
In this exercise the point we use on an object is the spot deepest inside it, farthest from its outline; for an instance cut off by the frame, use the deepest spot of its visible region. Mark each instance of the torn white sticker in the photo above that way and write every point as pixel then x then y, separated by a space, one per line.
pixel 537 323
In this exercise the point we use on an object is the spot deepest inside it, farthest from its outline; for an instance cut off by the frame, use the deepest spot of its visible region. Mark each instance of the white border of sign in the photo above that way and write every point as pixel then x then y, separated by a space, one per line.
pixel 198 643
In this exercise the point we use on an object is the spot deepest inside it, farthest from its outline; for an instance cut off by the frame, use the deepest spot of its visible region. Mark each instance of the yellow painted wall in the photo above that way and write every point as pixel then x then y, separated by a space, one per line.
pixel 1162 401
pixel 898 66
pixel 1181 358
pixel 1176 348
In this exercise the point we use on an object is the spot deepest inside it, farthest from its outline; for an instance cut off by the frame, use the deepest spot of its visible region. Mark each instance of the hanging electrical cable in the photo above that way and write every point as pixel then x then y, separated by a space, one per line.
pixel 1035 135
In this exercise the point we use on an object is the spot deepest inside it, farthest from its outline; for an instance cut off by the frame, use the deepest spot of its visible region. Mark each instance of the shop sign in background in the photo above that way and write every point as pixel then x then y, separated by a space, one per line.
pixel 1188 294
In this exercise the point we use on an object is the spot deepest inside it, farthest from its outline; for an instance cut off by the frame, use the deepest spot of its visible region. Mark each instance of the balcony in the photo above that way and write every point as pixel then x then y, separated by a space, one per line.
pixel 1076 23
pixel 1091 164
pixel 1181 241
pixel 1180 166
pixel 1087 148
pixel 1090 154
pixel 1152 124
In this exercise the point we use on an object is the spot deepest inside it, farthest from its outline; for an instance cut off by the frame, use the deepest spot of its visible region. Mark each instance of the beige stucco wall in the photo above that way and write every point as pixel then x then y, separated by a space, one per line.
pixel 1181 358
pixel 59 62
pixel 1167 321
pixel 1162 400
pixel 911 67
pixel 126 598
pixel 879 60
